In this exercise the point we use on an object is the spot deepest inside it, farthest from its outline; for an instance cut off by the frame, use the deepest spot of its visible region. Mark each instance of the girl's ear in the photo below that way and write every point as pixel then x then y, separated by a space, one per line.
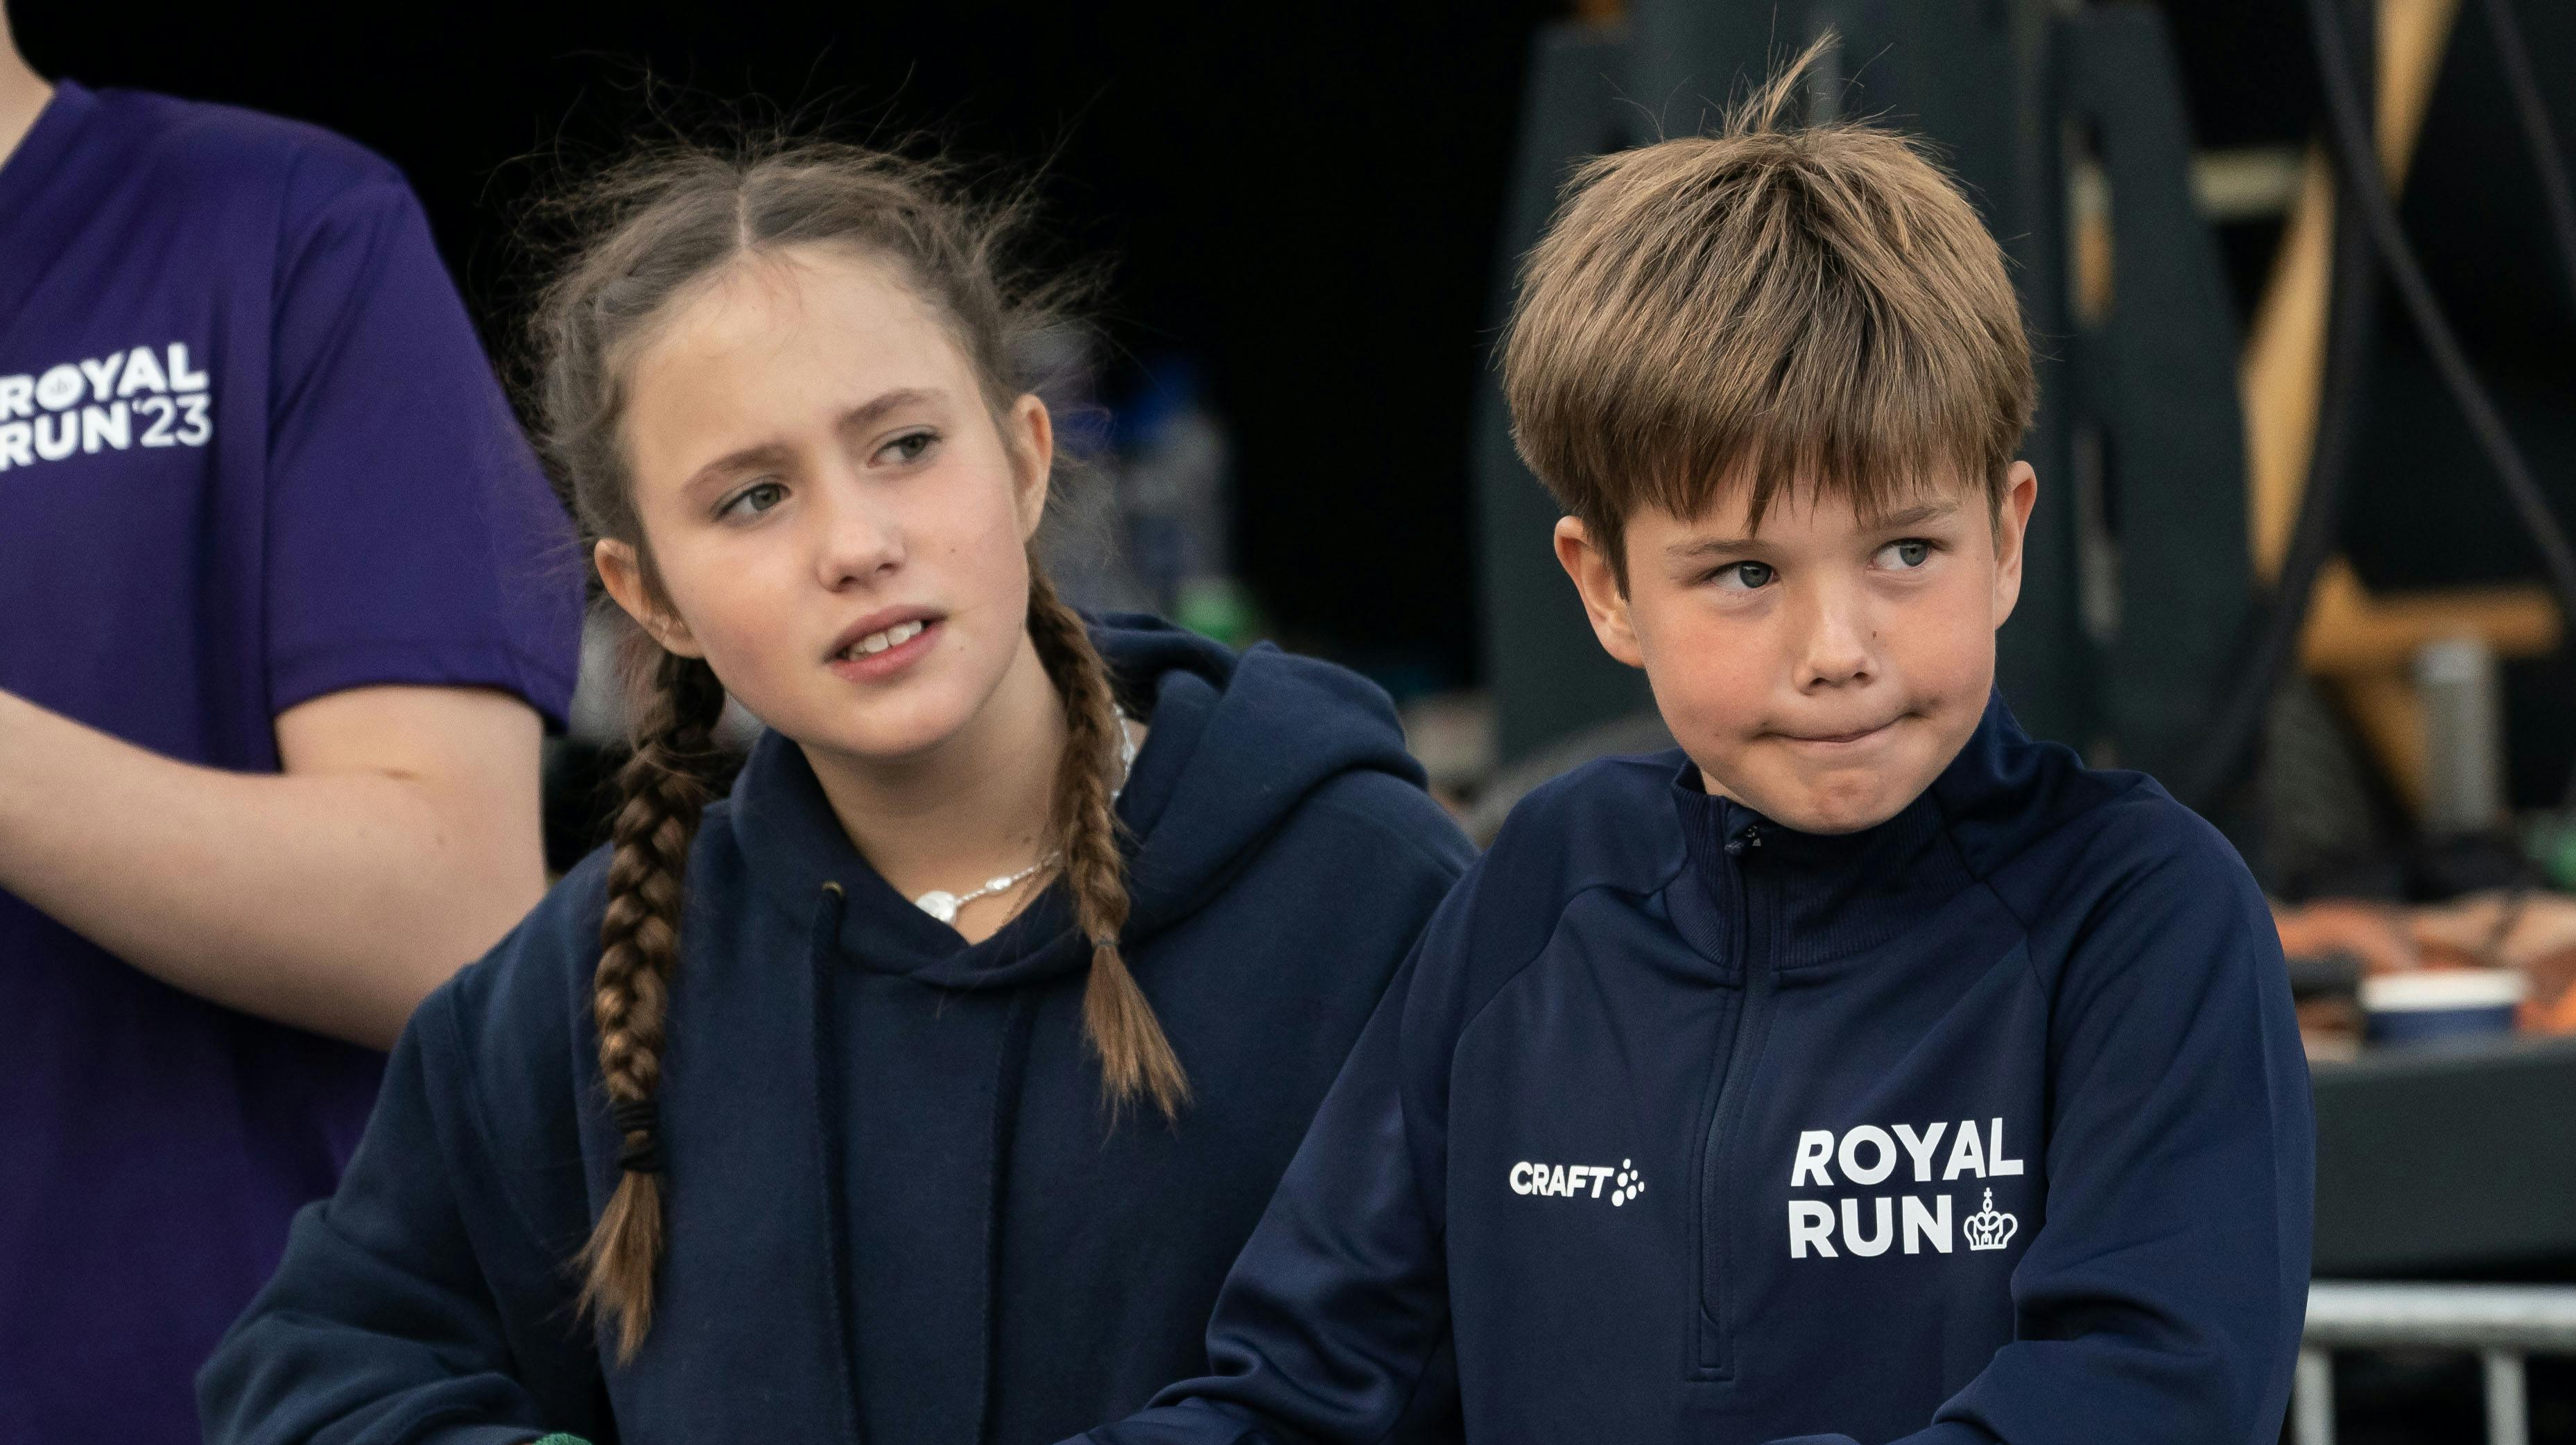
pixel 622 571
pixel 1028 434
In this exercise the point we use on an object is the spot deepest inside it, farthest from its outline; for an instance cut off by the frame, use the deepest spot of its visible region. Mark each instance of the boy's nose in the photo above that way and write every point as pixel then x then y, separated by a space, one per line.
pixel 1837 647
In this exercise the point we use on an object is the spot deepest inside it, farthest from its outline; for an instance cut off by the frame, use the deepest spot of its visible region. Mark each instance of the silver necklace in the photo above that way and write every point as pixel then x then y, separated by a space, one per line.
pixel 941 904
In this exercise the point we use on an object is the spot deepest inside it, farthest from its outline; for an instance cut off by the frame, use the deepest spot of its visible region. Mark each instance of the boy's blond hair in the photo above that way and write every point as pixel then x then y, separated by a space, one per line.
pixel 1818 308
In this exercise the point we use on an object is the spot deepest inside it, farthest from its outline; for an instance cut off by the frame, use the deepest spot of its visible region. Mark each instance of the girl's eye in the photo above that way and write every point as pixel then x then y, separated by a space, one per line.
pixel 753 500
pixel 910 446
pixel 1910 553
pixel 1750 576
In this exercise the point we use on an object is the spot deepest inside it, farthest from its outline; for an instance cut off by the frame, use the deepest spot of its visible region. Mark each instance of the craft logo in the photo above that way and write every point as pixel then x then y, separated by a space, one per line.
pixel 143 397
pixel 1867 1155
pixel 1578 1181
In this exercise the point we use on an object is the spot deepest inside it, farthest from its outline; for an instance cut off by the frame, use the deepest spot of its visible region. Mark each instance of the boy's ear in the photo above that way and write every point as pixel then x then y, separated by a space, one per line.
pixel 622 572
pixel 1605 601
pixel 2012 525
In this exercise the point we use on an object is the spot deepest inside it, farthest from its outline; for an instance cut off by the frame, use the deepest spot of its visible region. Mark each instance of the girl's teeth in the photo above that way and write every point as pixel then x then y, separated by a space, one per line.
pixel 895 636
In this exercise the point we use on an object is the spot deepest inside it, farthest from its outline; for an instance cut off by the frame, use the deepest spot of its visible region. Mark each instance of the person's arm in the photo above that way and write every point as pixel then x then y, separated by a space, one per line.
pixel 400 841
pixel 416 604
pixel 1333 1325
pixel 2164 1295
pixel 429 1298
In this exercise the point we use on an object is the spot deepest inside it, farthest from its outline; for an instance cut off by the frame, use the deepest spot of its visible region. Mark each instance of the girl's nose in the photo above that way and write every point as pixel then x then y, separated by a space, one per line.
pixel 858 540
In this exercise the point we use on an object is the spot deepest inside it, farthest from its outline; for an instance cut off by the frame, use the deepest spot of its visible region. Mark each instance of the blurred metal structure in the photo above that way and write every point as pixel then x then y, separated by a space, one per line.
pixel 1550 680
pixel 2501 1323
pixel 2462 690
pixel 2136 584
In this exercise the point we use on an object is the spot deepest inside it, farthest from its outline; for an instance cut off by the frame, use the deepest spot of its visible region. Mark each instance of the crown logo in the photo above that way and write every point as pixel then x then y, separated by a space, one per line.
pixel 1989 1229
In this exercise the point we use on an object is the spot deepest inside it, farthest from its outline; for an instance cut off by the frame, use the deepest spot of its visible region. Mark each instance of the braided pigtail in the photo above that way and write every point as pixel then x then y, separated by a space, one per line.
pixel 1136 1060
pixel 666 788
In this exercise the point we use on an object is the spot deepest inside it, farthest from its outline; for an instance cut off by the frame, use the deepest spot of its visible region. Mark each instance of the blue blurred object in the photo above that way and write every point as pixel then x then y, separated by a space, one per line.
pixel 2441 1004
pixel 1176 503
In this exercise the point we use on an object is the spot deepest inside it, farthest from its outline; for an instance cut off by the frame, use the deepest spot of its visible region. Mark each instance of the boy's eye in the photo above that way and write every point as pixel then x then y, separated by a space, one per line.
pixel 910 446
pixel 1910 553
pixel 1747 576
pixel 753 500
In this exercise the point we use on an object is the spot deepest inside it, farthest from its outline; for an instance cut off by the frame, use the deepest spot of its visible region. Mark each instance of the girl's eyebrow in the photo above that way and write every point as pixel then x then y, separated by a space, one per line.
pixel 771 454
pixel 868 412
pixel 715 473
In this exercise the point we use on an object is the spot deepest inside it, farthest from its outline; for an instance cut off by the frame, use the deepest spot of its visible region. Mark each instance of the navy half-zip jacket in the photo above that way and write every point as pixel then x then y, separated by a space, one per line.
pixel 898 1210
pixel 1987 1123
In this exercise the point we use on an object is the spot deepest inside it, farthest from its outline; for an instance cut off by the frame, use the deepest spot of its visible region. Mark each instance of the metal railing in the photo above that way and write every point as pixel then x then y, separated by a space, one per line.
pixel 2500 1323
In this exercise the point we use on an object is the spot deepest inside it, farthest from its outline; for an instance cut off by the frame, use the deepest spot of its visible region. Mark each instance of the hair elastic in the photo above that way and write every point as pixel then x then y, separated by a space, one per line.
pixel 639 1123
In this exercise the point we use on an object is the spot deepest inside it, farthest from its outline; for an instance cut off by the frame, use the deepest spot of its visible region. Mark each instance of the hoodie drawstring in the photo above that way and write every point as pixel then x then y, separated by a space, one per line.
pixel 823 950
pixel 1010 1071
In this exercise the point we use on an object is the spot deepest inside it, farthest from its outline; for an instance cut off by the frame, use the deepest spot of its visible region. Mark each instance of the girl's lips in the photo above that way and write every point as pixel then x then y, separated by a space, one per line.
pixel 879 666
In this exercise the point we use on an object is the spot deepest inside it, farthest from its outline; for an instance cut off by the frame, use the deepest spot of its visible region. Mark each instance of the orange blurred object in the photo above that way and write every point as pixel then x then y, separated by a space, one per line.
pixel 2375 933
pixel 2530 931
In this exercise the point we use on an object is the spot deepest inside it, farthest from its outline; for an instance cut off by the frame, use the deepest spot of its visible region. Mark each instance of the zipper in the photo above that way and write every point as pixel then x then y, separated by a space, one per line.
pixel 1715 1355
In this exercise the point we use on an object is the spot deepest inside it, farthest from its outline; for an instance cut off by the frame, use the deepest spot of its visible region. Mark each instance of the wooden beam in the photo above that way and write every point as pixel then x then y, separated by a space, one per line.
pixel 2283 371
pixel 2363 643
pixel 2352 631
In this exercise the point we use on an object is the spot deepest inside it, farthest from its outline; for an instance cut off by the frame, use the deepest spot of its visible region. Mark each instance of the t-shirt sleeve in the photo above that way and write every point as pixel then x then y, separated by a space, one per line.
pixel 411 536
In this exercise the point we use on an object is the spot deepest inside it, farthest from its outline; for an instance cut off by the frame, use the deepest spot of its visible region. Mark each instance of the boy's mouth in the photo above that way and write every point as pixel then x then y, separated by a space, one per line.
pixel 1836 739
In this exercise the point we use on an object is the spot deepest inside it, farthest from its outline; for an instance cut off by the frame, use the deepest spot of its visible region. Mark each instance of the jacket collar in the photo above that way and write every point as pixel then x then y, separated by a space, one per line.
pixel 1831 895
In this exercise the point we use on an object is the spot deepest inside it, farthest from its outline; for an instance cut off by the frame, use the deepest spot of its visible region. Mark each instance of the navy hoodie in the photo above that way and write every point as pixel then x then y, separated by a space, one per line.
pixel 1986 1123
pixel 898 1210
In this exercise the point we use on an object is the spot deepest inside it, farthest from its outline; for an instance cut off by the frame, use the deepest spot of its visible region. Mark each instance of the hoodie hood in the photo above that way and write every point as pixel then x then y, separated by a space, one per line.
pixel 1236 742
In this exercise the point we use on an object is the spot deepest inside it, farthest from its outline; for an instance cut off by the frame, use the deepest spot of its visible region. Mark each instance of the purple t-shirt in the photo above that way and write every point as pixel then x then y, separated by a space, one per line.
pixel 250 453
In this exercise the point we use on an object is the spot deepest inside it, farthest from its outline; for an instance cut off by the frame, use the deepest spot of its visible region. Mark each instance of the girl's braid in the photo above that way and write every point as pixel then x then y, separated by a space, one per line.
pixel 666 786
pixel 1136 1060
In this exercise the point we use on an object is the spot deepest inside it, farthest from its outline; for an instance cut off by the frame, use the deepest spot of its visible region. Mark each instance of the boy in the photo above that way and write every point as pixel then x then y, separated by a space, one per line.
pixel 1864 1069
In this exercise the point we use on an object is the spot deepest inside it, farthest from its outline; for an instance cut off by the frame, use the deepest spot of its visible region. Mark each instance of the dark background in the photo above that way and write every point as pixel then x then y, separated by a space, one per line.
pixel 1305 205
pixel 1304 200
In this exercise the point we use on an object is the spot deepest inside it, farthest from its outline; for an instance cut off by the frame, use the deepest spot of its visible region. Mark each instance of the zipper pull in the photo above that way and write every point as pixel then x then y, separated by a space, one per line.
pixel 1748 836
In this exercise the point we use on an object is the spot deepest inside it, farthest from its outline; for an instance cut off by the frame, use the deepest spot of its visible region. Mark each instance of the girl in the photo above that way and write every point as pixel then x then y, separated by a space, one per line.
pixel 924 1089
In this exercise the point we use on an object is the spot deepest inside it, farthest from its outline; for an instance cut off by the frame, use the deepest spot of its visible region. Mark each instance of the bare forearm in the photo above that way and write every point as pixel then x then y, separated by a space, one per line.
pixel 334 902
